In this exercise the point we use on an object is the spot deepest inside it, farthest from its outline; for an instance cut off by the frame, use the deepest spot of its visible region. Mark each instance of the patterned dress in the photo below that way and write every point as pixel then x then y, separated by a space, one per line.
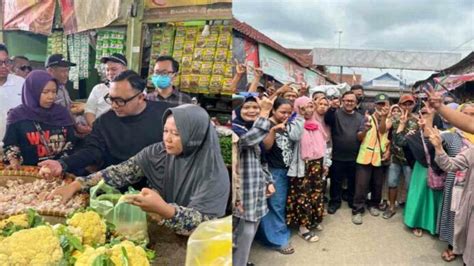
pixel 305 205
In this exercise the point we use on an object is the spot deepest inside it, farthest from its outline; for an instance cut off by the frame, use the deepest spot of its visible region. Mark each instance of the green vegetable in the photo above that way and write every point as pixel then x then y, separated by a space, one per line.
pixel 124 257
pixel 103 260
pixel 34 219
pixel 226 149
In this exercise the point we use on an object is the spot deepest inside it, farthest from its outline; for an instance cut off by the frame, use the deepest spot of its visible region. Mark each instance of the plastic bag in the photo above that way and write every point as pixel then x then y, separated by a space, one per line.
pixel 104 204
pixel 211 243
pixel 130 221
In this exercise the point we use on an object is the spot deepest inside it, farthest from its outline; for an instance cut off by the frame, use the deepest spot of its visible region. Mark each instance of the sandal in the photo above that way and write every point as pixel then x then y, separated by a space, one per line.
pixel 418 232
pixel 448 255
pixel 388 213
pixel 287 250
pixel 309 236
pixel 319 227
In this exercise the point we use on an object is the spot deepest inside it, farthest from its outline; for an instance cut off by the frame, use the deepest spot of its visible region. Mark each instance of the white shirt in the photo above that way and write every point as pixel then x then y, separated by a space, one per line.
pixel 10 97
pixel 96 103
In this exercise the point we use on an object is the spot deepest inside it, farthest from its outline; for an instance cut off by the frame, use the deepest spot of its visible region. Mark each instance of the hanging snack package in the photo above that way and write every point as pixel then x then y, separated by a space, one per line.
pixel 201 41
pixel 191 33
pixel 178 55
pixel 215 84
pixel 211 41
pixel 194 84
pixel 196 68
pixel 211 243
pixel 188 47
pixel 208 54
pixel 177 81
pixel 180 32
pixel 224 40
pixel 187 60
pixel 204 84
pixel 228 71
pixel 130 221
pixel 221 55
pixel 198 54
pixel 179 43
pixel 206 68
pixel 226 87
pixel 219 68
pixel 185 83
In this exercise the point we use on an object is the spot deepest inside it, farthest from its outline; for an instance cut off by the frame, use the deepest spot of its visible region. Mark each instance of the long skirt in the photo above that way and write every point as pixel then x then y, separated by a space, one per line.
pixel 305 205
pixel 423 203
pixel 273 230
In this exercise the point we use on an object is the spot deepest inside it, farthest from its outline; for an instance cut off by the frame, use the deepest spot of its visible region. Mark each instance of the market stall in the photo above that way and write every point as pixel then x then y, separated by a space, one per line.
pixel 196 33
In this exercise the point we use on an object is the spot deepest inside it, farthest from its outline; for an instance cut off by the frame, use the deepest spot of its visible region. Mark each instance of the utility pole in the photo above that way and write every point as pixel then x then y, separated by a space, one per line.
pixel 339 46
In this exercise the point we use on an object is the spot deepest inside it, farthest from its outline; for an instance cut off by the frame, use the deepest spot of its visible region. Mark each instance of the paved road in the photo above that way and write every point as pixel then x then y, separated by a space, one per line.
pixel 376 242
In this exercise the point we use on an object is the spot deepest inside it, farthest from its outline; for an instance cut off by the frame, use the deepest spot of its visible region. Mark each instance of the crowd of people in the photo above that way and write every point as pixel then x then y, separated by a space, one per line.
pixel 298 156
pixel 154 142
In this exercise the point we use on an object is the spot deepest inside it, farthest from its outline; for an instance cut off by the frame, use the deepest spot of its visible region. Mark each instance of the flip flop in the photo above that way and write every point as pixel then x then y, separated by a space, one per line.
pixel 448 256
pixel 309 236
pixel 287 250
pixel 418 232
pixel 387 214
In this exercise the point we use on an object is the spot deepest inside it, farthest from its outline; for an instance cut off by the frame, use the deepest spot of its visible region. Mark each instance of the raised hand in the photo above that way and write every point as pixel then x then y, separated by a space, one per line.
pixel 258 72
pixel 435 138
pixel 435 98
pixel 266 105
pixel 280 127
pixel 240 68
pixel 367 123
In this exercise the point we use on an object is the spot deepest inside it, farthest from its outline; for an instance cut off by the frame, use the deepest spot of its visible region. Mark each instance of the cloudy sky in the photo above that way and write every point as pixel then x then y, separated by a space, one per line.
pixel 416 25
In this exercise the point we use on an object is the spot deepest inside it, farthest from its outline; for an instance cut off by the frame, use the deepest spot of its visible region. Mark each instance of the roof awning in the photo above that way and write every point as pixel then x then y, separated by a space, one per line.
pixel 451 82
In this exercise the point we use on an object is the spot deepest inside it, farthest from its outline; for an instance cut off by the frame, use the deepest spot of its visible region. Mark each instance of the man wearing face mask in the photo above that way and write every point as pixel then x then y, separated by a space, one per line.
pixel 164 73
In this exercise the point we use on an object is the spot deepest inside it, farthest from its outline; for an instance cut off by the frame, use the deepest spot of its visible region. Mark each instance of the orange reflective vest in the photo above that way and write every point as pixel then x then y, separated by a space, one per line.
pixel 373 145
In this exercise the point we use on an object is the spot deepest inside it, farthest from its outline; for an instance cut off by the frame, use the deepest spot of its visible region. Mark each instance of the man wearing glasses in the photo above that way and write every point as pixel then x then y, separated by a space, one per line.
pixel 21 66
pixel 132 124
pixel 164 74
pixel 344 123
pixel 10 89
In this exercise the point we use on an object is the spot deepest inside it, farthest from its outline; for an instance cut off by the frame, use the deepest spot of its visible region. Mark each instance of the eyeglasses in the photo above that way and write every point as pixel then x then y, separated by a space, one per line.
pixel 6 62
pixel 25 68
pixel 119 101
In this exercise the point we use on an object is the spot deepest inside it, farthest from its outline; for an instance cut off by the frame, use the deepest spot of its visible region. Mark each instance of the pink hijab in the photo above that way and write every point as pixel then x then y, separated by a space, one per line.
pixel 313 139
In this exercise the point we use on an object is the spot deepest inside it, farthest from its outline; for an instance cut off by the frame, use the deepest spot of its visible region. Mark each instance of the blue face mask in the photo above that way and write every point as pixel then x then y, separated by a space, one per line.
pixel 161 81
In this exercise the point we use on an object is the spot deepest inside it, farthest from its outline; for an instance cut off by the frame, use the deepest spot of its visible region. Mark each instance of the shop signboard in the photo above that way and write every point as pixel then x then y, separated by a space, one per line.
pixel 286 70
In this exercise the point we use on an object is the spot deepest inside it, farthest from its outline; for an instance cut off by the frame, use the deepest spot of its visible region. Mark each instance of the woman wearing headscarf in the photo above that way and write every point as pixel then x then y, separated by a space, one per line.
pixel 38 129
pixel 251 125
pixel 463 239
pixel 423 202
pixel 186 175
pixel 305 197
pixel 454 142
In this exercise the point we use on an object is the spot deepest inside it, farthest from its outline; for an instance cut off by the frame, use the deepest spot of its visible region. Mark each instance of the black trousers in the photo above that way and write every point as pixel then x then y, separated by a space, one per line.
pixel 368 179
pixel 339 171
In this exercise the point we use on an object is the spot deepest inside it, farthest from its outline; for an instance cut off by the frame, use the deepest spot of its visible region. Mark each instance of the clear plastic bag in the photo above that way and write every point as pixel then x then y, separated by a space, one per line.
pixel 130 221
pixel 211 243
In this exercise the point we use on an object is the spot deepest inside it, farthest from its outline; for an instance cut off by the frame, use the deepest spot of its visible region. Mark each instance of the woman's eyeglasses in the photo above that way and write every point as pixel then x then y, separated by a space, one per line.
pixel 6 62
pixel 119 101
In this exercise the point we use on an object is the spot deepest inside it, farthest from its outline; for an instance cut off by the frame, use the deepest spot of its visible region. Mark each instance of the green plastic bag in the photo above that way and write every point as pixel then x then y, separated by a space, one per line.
pixel 104 204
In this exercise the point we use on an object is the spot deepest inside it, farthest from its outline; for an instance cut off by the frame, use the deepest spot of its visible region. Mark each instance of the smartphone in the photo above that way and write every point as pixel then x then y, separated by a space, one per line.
pixel 249 94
